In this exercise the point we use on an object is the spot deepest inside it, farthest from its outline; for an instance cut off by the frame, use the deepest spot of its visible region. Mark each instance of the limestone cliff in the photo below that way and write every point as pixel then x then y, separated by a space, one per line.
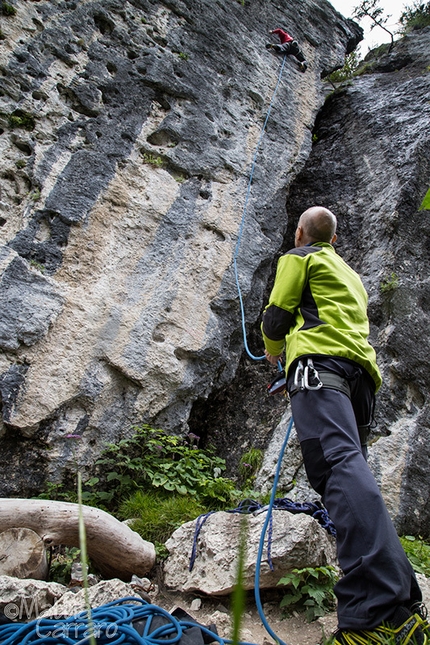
pixel 127 133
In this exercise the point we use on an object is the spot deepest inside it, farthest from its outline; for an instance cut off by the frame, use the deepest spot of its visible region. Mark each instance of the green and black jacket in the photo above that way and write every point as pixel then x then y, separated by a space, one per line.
pixel 318 306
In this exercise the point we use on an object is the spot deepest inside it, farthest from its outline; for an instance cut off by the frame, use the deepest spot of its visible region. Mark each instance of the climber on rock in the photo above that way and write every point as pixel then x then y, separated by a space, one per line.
pixel 289 46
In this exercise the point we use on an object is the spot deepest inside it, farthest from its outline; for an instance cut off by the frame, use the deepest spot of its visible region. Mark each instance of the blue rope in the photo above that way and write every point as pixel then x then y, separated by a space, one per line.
pixel 112 625
pixel 314 509
pixel 239 239
pixel 262 536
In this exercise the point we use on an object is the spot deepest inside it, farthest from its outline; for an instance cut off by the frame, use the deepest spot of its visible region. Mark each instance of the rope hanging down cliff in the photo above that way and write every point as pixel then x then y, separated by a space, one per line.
pixel 248 192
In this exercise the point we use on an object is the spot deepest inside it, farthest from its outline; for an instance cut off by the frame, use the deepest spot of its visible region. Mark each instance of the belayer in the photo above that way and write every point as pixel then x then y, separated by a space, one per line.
pixel 317 314
pixel 289 46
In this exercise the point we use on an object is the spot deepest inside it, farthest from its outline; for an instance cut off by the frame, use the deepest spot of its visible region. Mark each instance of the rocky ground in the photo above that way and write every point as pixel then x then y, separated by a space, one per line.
pixel 293 629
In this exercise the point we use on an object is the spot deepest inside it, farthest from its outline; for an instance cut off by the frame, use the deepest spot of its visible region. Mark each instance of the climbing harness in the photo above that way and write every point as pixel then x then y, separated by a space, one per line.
pixel 307 377
pixel 239 239
pixel 128 621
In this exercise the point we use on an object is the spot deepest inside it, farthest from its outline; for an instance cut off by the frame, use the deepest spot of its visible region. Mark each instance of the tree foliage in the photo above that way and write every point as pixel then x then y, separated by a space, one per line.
pixel 416 16
pixel 372 10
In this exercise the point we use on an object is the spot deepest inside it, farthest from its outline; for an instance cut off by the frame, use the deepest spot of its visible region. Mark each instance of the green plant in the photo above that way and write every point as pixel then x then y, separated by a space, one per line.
pixel 37 265
pixel 35 195
pixel 153 161
pixel 7 9
pixel 183 56
pixel 61 562
pixel 84 562
pixel 390 284
pixel 425 205
pixel 310 590
pixel 238 595
pixel 20 163
pixel 21 119
pixel 156 515
pixel 249 465
pixel 370 9
pixel 56 491
pixel 346 72
pixel 152 458
pixel 418 553
pixel 416 16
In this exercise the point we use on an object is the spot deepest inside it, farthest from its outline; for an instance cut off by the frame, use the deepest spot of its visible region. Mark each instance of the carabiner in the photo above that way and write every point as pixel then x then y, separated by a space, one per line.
pixel 314 376
pixel 298 376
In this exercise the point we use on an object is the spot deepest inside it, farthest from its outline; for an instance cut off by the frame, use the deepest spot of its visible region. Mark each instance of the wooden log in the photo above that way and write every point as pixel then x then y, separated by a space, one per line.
pixel 23 554
pixel 116 550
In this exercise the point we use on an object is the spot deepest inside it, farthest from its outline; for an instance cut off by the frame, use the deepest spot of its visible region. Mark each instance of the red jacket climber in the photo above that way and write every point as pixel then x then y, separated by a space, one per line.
pixel 288 46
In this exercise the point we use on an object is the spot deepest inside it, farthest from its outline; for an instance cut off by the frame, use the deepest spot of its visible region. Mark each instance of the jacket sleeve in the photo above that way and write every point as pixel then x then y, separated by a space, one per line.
pixel 285 298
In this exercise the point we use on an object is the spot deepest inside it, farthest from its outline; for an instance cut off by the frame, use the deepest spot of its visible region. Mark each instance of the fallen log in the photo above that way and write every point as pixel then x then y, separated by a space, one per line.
pixel 116 550
pixel 22 554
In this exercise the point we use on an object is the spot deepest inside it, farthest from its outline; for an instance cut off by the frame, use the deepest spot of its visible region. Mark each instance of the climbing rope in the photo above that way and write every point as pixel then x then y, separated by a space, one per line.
pixel 262 536
pixel 127 621
pixel 239 239
pixel 247 506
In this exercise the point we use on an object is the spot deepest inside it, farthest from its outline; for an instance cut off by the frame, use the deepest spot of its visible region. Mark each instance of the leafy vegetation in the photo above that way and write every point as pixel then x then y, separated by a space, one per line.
pixel 390 284
pixel 347 71
pixel 425 205
pixel 21 119
pixel 418 553
pixel 310 590
pixel 61 563
pixel 416 16
pixel 249 465
pixel 151 160
pixel 7 9
pixel 370 9
pixel 152 459
pixel 159 481
pixel 155 517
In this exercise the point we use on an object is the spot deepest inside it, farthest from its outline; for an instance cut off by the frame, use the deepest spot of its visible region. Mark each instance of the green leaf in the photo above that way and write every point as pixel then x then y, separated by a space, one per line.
pixel 425 205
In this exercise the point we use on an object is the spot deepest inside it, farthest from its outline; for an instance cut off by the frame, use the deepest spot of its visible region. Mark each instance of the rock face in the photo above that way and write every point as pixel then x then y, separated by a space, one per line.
pixel 370 164
pixel 127 136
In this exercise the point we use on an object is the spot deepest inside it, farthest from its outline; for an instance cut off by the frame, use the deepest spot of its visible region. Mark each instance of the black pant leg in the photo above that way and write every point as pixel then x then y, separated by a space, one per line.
pixel 377 574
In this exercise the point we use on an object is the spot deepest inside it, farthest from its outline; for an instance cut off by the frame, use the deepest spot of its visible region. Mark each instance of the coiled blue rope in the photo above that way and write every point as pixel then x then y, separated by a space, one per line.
pixel 111 624
pixel 239 239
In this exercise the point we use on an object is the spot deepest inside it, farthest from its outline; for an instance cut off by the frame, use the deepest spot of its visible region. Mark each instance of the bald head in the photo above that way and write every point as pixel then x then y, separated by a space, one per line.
pixel 316 224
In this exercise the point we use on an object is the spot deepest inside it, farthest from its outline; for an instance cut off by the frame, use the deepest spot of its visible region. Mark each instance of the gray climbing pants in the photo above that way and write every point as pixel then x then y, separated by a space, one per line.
pixel 377 576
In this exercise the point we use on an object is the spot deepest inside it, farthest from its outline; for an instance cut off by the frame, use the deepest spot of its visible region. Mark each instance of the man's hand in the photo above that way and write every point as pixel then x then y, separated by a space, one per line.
pixel 273 360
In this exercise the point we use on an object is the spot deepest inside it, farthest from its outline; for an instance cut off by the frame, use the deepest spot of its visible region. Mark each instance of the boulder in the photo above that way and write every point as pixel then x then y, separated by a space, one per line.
pixel 102 593
pixel 24 600
pixel 296 541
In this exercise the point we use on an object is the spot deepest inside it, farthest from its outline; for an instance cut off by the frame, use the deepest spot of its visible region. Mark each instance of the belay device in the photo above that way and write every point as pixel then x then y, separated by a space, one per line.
pixel 279 384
